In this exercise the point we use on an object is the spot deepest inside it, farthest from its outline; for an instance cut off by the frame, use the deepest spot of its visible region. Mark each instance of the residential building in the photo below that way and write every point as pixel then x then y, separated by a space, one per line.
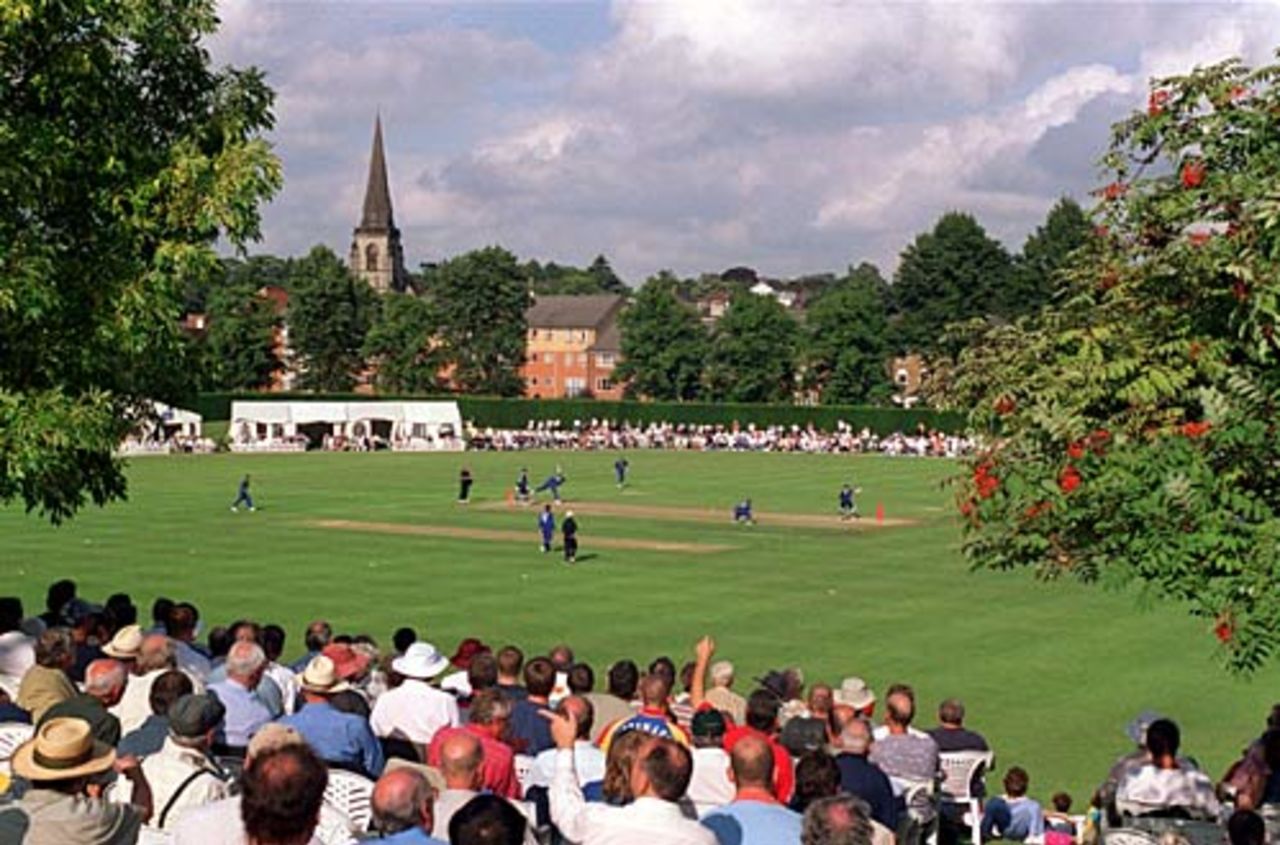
pixel 572 347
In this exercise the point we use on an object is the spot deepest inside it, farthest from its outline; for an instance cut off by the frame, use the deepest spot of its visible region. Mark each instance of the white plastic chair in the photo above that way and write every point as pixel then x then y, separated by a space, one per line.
pixel 959 770
pixel 350 794
pixel 1127 836
pixel 152 836
pixel 12 735
pixel 920 822
pixel 524 771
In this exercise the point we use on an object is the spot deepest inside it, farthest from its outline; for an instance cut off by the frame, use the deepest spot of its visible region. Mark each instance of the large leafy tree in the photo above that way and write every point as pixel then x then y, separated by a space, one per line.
pixel 330 312
pixel 1131 430
pixel 753 352
pixel 606 280
pixel 123 156
pixel 240 350
pixel 844 334
pixel 953 272
pixel 481 298
pixel 403 346
pixel 1049 249
pixel 664 344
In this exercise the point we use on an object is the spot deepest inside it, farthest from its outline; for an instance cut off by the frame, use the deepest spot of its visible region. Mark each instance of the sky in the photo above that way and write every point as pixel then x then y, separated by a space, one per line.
pixel 695 135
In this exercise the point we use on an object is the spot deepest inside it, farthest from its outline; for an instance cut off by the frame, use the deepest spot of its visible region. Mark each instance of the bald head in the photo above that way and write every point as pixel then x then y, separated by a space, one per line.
pixel 104 680
pixel 156 653
pixel 752 763
pixel 901 708
pixel 402 800
pixel 461 756
pixel 654 689
pixel 856 737
pixel 582 712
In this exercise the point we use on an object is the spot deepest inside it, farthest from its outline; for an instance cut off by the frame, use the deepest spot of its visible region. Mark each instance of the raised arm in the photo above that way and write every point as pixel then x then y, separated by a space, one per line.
pixel 703 652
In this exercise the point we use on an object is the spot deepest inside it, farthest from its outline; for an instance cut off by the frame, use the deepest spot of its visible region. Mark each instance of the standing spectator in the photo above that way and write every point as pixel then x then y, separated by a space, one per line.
pixel 587 759
pixel 149 737
pixel 1165 784
pixel 490 713
pixel 181 627
pixel 182 774
pixel 415 710
pixel 63 806
pixel 841 820
pixel 709 786
pixel 510 665
pixel 762 722
pixel 1013 816
pixel 47 683
pixel 860 777
pixel 755 816
pixel 529 732
pixel 402 805
pixel 246 713
pixel 103 685
pixel 619 701
pixel 339 738
pixel 282 794
pixel 951 734
pixel 17 650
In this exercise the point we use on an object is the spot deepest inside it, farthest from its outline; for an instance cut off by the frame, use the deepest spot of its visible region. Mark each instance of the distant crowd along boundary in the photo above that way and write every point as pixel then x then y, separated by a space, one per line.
pixel 496 412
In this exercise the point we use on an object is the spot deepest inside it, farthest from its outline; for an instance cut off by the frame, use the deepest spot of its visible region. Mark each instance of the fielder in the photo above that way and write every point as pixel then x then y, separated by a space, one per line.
pixel 849 504
pixel 620 467
pixel 547 527
pixel 464 486
pixel 742 513
pixel 243 497
pixel 552 484
pixel 522 486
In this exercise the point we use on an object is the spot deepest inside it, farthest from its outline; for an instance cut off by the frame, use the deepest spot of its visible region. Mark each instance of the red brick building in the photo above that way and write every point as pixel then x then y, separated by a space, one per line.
pixel 572 347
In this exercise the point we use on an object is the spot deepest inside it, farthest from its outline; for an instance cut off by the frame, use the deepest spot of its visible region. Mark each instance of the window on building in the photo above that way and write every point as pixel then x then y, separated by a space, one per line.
pixel 605 359
pixel 582 359
pixel 604 384
pixel 575 386
pixel 548 358
pixel 371 257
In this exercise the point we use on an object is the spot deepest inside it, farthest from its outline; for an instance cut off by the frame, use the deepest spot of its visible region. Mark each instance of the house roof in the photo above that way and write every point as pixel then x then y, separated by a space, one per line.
pixel 572 312
pixel 609 339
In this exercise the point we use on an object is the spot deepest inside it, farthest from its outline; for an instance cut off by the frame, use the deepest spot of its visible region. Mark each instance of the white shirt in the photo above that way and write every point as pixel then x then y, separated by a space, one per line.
pixel 1149 788
pixel 882 731
pixel 710 786
pixel 219 824
pixel 588 761
pixel 288 684
pixel 642 822
pixel 134 706
pixel 17 655
pixel 169 768
pixel 413 711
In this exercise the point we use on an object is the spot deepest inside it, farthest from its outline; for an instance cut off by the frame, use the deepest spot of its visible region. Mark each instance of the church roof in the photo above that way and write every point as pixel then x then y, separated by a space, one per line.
pixel 377 194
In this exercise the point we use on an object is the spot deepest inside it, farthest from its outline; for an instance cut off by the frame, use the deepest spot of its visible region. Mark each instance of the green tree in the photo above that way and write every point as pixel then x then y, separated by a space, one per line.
pixel 953 272
pixel 481 298
pixel 753 352
pixel 404 346
pixel 606 280
pixel 123 156
pixel 330 312
pixel 1131 432
pixel 845 347
pixel 664 344
pixel 1047 251
pixel 239 352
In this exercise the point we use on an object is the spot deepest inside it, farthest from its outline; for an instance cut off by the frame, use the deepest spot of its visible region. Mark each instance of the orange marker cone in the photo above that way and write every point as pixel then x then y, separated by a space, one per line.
pixel 880 512
pixel 511 497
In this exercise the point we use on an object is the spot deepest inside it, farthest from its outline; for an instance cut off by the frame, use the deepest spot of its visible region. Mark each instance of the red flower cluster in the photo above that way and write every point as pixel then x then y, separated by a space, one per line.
pixel 1005 405
pixel 1075 450
pixel 1037 509
pixel 1193 174
pixel 1115 191
pixel 1240 291
pixel 986 483
pixel 1069 479
pixel 1108 280
pixel 1196 429
pixel 1239 92
pixel 1101 231
pixel 1224 630
pixel 1157 101
pixel 1199 238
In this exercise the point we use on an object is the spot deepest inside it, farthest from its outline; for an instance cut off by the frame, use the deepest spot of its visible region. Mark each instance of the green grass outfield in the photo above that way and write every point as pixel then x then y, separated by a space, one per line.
pixel 1050 672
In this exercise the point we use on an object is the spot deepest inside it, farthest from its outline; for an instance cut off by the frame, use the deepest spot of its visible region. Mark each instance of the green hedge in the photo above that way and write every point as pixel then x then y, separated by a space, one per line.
pixel 487 411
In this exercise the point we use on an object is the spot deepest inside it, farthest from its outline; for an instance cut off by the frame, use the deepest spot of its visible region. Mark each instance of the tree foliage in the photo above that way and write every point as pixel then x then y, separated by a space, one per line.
pixel 404 347
pixel 1046 252
pixel 239 352
pixel 753 353
pixel 1132 428
pixel 330 312
pixel 664 344
pixel 123 156
pixel 481 298
pixel 845 347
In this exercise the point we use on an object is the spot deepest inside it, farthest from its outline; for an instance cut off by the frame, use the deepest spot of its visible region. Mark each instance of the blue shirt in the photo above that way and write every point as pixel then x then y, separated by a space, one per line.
pixel 245 713
pixel 862 778
pixel 338 737
pixel 529 728
pixel 146 739
pixel 547 524
pixel 267 691
pixel 754 823
pixel 412 836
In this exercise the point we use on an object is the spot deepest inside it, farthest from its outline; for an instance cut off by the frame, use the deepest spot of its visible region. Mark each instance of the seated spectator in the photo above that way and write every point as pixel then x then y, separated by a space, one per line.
pixel 282 794
pixel 681 706
pixel 860 777
pixel 510 666
pixel 490 715
pixel 817 776
pixel 881 731
pixel 1246 827
pixel 1059 818
pixel 755 816
pixel 461 766
pixel 125 646
pixel 906 757
pixel 659 779
pixel 762 721
pixel 588 760
pixel 319 634
pixel 181 626
pixel 103 685
pixel 951 734
pixel 47 682
pixel 482 675
pixel 618 701
pixel 340 739
pixel 402 639
pixel 488 820
pixel 458 682
pixel 182 774
pixel 57 596
pixel 154 657
pixel 841 820
pixel 821 700
pixel 415 710
pixel 1164 787
pixel 402 808
pixel 721 695
pixel 64 763
pixel 354 663
pixel 17 650
pixel 10 712
pixel 122 609
pixel 160 610
pixel 283 677
pixel 855 693
pixel 1013 816
pixel 652 718
pixel 246 713
pixel 709 786
pixel 561 657
pixel 529 732
pixel 582 679
pixel 1249 775
pixel 150 736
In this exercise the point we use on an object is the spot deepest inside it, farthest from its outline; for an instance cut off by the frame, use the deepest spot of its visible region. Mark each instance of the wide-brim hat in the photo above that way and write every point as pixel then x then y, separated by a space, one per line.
pixel 322 677
pixel 126 644
pixel 347 662
pixel 62 749
pixel 854 693
pixel 467 651
pixel 420 660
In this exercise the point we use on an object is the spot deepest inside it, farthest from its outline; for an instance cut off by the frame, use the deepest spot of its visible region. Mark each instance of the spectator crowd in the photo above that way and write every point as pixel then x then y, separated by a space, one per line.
pixel 137 730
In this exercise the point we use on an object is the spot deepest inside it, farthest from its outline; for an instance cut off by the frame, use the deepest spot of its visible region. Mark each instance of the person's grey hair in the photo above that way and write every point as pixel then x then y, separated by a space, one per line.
pixel 838 820
pixel 722 673
pixel 245 658
pixel 103 676
pixel 856 737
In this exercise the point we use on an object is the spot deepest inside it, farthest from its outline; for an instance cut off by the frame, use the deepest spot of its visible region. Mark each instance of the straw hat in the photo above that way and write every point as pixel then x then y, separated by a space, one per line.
pixel 126 644
pixel 321 677
pixel 855 693
pixel 62 749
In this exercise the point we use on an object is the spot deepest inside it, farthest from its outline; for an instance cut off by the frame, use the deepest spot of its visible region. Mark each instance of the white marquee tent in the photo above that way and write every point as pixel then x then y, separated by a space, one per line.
pixel 293 425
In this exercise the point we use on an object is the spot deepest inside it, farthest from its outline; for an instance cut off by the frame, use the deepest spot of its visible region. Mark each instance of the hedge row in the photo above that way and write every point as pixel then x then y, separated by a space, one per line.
pixel 487 411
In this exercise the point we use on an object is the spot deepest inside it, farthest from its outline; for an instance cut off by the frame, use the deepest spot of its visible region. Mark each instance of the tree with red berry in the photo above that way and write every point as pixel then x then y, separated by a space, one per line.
pixel 1131 428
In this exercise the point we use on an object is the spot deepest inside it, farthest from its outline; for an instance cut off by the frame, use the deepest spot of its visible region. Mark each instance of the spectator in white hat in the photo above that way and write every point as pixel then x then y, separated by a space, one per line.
pixel 415 710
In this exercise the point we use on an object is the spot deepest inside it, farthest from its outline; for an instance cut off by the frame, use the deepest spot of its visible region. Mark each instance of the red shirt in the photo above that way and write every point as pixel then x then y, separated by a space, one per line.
pixel 498 771
pixel 784 773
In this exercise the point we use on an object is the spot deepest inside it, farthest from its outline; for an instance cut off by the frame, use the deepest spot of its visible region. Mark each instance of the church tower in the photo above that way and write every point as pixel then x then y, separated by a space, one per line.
pixel 376 254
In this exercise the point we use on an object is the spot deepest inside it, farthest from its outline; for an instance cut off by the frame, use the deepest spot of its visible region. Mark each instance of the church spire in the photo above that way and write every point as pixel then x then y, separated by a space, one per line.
pixel 377 194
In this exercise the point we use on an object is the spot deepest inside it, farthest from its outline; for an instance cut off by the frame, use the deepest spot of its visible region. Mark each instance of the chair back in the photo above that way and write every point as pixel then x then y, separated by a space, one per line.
pixel 1128 836
pixel 1195 831
pixel 350 794
pixel 959 770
